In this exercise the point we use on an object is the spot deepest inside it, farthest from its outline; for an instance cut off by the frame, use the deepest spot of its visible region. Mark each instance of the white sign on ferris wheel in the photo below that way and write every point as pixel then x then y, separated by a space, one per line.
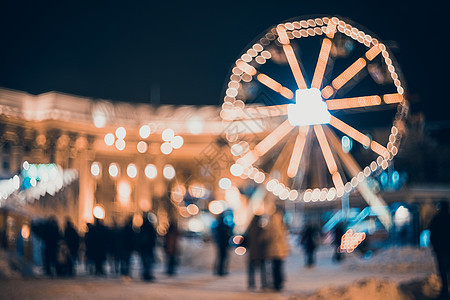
pixel 302 129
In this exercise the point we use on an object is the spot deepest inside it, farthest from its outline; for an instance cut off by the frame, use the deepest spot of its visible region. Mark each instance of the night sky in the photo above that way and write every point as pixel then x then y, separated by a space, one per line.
pixel 120 50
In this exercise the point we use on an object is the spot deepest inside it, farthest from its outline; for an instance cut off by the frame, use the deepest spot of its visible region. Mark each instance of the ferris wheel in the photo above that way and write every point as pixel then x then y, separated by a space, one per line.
pixel 312 108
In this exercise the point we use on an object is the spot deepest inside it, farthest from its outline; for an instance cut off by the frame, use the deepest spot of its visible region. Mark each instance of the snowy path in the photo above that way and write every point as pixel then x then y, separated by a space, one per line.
pixel 389 268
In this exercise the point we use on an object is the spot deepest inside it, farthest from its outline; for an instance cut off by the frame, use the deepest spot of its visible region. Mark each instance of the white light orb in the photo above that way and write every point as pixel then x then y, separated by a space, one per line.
pixel 95 169
pixel 195 126
pixel 109 139
pixel 168 134
pixel 216 207
pixel 178 193
pixel 142 147
pixel 169 172
pixel 197 190
pixel 99 119
pixel 192 209
pixel 121 133
pixel 144 131
pixel 99 212
pixel 166 148
pixel 177 142
pixel 132 171
pixel 113 170
pixel 150 171
pixel 120 144
pixel 259 177
pixel 236 170
pixel 225 183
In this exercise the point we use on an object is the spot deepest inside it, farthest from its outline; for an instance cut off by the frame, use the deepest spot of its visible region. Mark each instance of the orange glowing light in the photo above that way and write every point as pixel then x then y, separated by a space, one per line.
pixel 327 92
pixel 25 231
pixel 350 240
pixel 337 180
pixel 295 67
pixel 296 156
pixel 373 52
pixel 321 64
pixel 246 67
pixel 273 138
pixel 291 58
pixel 392 98
pixel 331 29
pixel 349 73
pixel 350 131
pixel 326 151
pixel 274 85
pixel 378 149
pixel 264 111
pixel 353 102
pixel 284 39
pixel 249 158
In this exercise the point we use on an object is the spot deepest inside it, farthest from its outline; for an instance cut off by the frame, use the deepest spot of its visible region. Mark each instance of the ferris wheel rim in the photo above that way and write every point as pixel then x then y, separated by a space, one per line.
pixel 384 156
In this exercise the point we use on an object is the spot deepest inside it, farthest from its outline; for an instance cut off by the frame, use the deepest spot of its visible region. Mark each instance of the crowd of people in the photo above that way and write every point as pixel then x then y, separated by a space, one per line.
pixel 62 249
pixel 265 241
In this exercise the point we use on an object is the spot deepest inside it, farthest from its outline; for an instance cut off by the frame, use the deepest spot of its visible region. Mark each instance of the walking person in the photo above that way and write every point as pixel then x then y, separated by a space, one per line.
pixel 308 240
pixel 222 233
pixel 146 246
pixel 278 248
pixel 171 247
pixel 440 240
pixel 97 241
pixel 72 240
pixel 51 237
pixel 256 241
pixel 127 247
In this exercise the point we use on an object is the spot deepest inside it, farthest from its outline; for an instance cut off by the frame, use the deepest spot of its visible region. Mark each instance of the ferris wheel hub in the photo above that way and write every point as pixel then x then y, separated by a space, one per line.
pixel 309 108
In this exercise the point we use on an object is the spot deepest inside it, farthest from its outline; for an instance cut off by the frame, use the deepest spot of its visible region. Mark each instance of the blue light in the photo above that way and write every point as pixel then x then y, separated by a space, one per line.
pixel 383 179
pixel 347 144
pixel 395 177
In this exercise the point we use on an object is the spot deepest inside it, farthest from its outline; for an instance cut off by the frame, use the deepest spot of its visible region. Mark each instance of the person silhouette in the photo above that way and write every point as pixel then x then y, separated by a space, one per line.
pixel 278 247
pixel 222 232
pixel 72 240
pixel 147 241
pixel 256 240
pixel 440 240
pixel 308 239
pixel 171 246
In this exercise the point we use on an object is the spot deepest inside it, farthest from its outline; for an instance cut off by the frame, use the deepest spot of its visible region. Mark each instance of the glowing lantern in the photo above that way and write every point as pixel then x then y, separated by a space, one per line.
pixel 99 212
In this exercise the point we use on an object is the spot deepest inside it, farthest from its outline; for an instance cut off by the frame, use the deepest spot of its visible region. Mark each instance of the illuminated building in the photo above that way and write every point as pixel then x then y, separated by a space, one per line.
pixel 121 156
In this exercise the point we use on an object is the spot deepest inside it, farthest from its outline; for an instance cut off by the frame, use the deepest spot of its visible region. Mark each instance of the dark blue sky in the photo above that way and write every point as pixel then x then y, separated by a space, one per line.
pixel 119 49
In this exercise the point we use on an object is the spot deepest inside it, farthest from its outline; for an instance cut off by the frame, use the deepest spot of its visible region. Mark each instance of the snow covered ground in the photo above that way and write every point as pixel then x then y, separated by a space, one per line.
pixel 393 273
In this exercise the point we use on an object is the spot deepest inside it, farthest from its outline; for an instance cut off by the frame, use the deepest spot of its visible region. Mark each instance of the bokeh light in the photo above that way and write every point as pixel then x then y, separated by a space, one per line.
pixel 150 171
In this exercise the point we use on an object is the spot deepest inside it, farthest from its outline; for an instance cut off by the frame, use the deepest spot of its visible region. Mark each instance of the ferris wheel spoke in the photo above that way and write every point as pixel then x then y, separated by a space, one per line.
pixel 265 80
pixel 328 155
pixel 393 98
pixel 355 102
pixel 297 152
pixel 358 136
pixel 267 143
pixel 350 72
pixel 261 112
pixel 321 64
pixel 375 201
pixel 281 161
pixel 364 101
pixel 291 58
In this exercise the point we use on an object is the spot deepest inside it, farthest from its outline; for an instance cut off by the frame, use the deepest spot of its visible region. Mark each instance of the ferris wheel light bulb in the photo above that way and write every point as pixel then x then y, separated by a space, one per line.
pixel 309 108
